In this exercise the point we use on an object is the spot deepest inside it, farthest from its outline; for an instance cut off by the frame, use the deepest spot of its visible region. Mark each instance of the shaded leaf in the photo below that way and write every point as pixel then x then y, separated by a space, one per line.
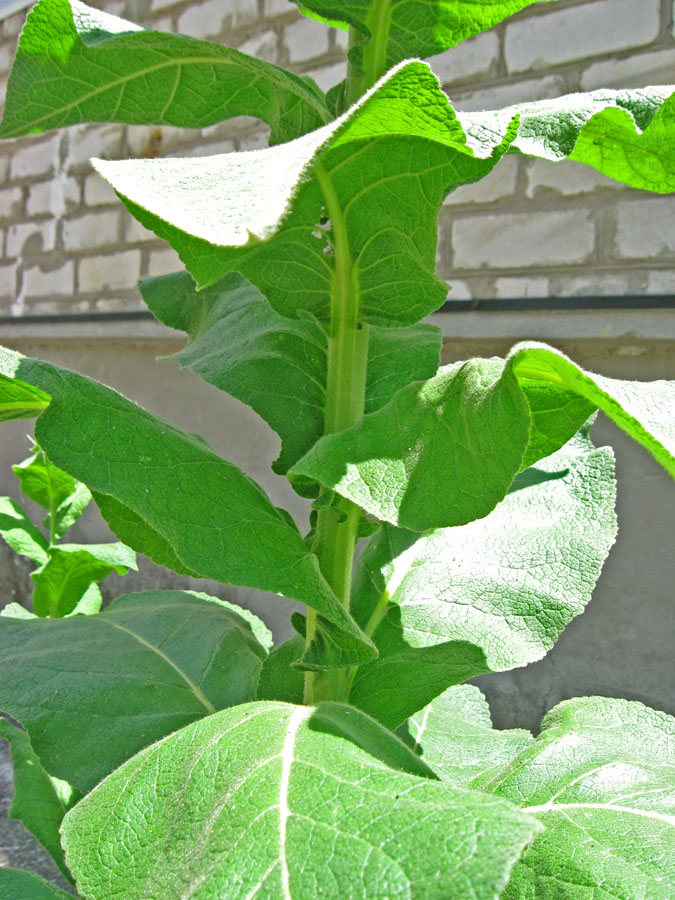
pixel 289 802
pixel 279 678
pixel 40 801
pixel 488 596
pixel 19 532
pixel 15 884
pixel 454 735
pixel 92 690
pixel 20 401
pixel 63 580
pixel 78 64
pixel 444 452
pixel 600 779
pixel 238 343
pixel 381 172
pixel 219 523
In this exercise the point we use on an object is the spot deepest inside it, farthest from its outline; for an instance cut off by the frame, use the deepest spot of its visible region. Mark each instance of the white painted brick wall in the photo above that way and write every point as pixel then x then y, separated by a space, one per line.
pixel 591 29
pixel 206 20
pixel 478 56
pixel 36 158
pixel 118 271
pixel 26 237
pixel 646 228
pixel 163 262
pixel 11 202
pixel 565 178
pixel 37 283
pixel 305 39
pixel 96 229
pixel 522 239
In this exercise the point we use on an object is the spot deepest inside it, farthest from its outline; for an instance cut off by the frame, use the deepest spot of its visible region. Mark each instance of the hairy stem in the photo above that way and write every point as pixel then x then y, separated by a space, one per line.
pixel 373 63
pixel 337 527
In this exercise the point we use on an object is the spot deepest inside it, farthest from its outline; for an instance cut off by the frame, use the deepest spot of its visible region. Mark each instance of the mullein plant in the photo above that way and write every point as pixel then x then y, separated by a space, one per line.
pixel 352 762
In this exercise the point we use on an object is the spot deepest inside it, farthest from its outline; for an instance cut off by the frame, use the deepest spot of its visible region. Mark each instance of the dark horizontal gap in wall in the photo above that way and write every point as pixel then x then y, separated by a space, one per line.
pixel 524 304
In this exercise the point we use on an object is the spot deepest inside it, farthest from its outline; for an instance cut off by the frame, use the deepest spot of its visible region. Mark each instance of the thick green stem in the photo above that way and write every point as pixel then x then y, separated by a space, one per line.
pixel 337 527
pixel 373 63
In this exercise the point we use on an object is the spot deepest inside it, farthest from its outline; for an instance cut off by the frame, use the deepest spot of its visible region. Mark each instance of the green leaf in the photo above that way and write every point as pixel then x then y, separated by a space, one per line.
pixel 283 801
pixel 20 401
pixel 20 533
pixel 40 801
pixel 78 64
pixel 384 168
pixel 71 568
pixel 455 737
pixel 409 28
pixel 279 678
pixel 93 690
pixel 238 343
pixel 15 884
pixel 89 603
pixel 484 597
pixel 219 523
pixel 444 452
pixel 600 778
pixel 626 135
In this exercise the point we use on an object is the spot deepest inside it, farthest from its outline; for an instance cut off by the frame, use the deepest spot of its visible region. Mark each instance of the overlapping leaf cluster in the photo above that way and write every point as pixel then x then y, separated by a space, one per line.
pixel 489 511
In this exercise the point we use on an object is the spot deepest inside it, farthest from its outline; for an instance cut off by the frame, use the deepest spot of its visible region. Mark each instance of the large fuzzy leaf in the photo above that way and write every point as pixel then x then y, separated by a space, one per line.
pixel 600 779
pixel 78 64
pixel 40 801
pixel 281 801
pixel 92 690
pixel 444 452
pixel 181 497
pixel 15 884
pixel 238 343
pixel 454 735
pixel 379 173
pixel 488 596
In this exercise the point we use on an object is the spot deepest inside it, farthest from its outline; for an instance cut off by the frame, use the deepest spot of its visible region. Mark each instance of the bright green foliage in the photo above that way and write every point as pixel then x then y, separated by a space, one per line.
pixel 455 737
pixel 217 521
pixel 78 64
pixel 600 779
pixel 278 365
pixel 445 452
pixel 18 885
pixel 334 805
pixel 40 801
pixel 183 655
pixel 491 595
pixel 488 512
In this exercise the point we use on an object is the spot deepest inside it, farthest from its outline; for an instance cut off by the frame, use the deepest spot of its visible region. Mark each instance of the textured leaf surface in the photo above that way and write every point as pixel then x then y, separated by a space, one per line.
pixel 78 64
pixel 444 452
pixel 600 778
pixel 282 801
pixel 40 801
pixel 488 596
pixel 277 365
pixel 279 679
pixel 454 735
pixel 20 401
pixel 93 690
pixel 64 498
pixel 382 169
pixel 16 884
pixel 63 580
pixel 410 28
pixel 219 523
pixel 20 533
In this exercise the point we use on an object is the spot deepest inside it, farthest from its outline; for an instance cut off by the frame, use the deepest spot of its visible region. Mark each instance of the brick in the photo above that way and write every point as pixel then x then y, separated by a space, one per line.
pixel 644 228
pixel 340 38
pixel 210 149
pixel 29 238
pixel 85 142
pixel 36 158
pixel 164 262
pixel 580 31
pixel 6 56
pixel 134 232
pixel 118 271
pixel 263 46
pixel 12 25
pixel 4 168
pixel 37 283
pixel 641 70
pixel 507 94
pixel 459 290
pixel 305 39
pixel 53 197
pixel 97 191
pixel 565 178
pixel 255 141
pixel 328 76
pixel 471 58
pixel 91 230
pixel 8 280
pixel 162 4
pixel 278 8
pixel 213 17
pixel 522 239
pixel 661 282
pixel 11 201
pixel 593 284
pixel 515 288
pixel 501 182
